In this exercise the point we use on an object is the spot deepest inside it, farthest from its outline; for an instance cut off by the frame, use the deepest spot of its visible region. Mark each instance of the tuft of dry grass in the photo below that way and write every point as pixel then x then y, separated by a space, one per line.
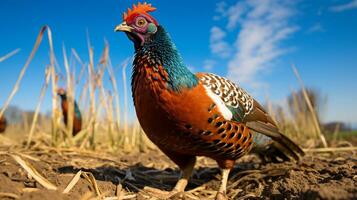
pixel 300 119
pixel 312 109
pixel 104 121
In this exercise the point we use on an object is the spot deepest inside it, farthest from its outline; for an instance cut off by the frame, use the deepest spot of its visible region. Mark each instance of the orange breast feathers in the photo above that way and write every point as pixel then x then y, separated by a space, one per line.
pixel 161 110
pixel 154 102
pixel 153 99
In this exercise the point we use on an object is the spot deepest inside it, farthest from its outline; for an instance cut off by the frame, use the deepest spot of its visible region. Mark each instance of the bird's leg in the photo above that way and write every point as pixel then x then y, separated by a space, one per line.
pixel 221 194
pixel 186 165
pixel 186 172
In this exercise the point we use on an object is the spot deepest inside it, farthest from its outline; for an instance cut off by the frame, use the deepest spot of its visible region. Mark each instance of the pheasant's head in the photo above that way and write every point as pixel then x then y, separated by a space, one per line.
pixel 62 93
pixel 138 24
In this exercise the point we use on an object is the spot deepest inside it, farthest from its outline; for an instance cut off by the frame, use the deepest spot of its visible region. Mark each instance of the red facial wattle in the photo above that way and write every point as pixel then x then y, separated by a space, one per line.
pixel 138 24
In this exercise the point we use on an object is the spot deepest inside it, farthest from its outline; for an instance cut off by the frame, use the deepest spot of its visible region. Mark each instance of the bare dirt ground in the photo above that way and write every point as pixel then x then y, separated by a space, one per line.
pixel 124 175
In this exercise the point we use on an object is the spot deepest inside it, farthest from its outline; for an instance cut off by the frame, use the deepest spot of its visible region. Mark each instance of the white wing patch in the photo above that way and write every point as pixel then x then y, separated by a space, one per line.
pixel 229 93
pixel 225 112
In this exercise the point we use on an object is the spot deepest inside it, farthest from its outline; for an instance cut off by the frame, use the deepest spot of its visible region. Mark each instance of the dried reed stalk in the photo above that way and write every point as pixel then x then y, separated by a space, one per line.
pixel 330 149
pixel 336 132
pixel 33 172
pixel 116 94
pixel 312 110
pixel 7 195
pixel 92 88
pixel 70 99
pixel 90 178
pixel 55 114
pixel 126 134
pixel 83 66
pixel 7 56
pixel 37 110
pixel 73 182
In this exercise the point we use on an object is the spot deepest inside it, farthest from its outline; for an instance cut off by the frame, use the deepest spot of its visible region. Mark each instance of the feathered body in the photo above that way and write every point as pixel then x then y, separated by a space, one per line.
pixel 188 115
pixel 77 117
pixel 174 109
pixel 3 124
pixel 178 114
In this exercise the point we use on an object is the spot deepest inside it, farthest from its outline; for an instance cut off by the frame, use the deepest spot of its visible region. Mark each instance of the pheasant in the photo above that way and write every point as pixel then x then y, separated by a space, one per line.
pixel 77 118
pixel 188 115
pixel 3 124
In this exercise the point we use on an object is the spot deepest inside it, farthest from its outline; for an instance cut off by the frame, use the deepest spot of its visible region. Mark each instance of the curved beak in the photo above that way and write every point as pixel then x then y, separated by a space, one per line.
pixel 123 27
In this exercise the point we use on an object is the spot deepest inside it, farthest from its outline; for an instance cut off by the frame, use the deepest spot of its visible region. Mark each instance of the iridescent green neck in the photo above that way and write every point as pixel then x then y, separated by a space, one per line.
pixel 77 112
pixel 160 50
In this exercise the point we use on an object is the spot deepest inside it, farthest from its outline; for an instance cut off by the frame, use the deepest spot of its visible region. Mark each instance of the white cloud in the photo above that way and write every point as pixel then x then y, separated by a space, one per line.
pixel 235 14
pixel 217 44
pixel 348 6
pixel 220 10
pixel 263 25
pixel 217 34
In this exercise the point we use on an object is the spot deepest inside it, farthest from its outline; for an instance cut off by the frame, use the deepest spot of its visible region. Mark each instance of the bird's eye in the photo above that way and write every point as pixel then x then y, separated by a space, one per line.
pixel 141 22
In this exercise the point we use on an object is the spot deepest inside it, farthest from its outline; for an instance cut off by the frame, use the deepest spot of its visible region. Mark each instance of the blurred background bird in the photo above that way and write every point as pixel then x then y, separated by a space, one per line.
pixel 77 117
pixel 188 115
pixel 3 124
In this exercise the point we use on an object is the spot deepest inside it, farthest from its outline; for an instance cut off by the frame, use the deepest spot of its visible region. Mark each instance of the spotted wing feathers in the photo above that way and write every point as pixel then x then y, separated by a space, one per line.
pixel 223 139
pixel 235 98
pixel 248 111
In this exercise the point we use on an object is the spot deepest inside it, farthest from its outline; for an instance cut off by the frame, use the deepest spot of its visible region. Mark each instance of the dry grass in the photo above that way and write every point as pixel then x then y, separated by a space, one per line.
pixel 106 122
pixel 33 172
pixel 311 108
pixel 102 175
pixel 300 118
pixel 3 58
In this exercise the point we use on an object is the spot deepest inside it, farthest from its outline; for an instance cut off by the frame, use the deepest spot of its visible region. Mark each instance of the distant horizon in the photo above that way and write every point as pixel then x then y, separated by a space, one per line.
pixel 253 43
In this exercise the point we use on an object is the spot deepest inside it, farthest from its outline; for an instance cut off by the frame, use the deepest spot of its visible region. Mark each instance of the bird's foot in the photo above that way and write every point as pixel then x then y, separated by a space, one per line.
pixel 174 194
pixel 221 196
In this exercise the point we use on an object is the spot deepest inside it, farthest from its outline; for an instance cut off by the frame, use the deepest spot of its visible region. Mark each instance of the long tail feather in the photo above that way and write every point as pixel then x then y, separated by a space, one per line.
pixel 280 144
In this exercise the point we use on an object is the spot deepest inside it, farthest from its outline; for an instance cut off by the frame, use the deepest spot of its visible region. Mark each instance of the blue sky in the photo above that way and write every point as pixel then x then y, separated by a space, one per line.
pixel 253 43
